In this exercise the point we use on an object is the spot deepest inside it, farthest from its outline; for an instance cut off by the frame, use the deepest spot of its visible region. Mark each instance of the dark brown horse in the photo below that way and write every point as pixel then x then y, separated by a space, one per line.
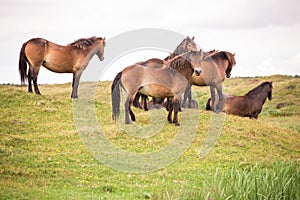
pixel 162 82
pixel 186 45
pixel 248 105
pixel 72 58
pixel 214 68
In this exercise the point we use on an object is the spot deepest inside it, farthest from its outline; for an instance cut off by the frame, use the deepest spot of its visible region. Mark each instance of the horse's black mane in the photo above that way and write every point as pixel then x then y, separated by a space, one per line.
pixel 179 63
pixel 219 55
pixel 172 55
pixel 259 88
pixel 182 61
pixel 84 43
pixel 223 55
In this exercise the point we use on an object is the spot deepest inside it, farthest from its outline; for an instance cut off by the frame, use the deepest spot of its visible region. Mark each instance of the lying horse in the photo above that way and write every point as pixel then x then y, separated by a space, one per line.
pixel 166 82
pixel 214 68
pixel 249 105
pixel 72 58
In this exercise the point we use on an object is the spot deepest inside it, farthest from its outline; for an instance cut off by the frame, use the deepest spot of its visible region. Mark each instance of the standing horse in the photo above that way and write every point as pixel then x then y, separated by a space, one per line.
pixel 214 67
pixel 186 45
pixel 248 105
pixel 163 82
pixel 72 58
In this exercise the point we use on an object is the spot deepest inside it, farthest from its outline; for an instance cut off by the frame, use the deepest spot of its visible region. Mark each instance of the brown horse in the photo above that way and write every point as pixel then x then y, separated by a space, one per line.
pixel 163 82
pixel 186 45
pixel 72 58
pixel 249 105
pixel 214 67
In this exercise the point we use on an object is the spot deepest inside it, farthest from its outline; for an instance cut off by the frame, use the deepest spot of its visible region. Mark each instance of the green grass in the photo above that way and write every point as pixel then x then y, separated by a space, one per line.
pixel 42 156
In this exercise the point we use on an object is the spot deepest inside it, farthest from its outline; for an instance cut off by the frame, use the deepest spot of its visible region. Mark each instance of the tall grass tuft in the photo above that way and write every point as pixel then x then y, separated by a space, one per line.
pixel 259 182
pixel 279 181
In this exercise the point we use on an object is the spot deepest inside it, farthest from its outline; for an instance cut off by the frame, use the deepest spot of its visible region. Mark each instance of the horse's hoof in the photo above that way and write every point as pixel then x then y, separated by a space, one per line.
pixel 177 124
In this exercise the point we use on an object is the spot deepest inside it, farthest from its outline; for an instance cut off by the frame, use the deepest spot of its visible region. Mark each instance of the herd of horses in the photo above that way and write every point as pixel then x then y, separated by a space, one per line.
pixel 168 81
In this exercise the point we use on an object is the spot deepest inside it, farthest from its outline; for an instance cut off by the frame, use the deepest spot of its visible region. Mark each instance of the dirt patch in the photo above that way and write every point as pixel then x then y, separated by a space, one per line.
pixel 283 104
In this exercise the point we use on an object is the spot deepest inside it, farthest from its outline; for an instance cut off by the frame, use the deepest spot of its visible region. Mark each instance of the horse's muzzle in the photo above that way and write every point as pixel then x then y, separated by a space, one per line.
pixel 198 71
pixel 102 58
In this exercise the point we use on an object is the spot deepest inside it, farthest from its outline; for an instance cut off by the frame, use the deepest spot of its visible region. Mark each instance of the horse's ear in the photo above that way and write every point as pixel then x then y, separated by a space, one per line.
pixel 104 39
pixel 193 38
pixel 233 54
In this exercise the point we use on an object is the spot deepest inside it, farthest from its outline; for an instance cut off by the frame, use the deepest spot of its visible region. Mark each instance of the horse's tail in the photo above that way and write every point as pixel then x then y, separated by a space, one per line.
pixel 23 64
pixel 232 62
pixel 116 96
pixel 208 106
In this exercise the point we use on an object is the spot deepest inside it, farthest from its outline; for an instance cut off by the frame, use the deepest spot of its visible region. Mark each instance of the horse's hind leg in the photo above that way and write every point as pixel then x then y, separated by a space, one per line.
pixel 29 81
pixel 126 105
pixel 128 111
pixel 35 73
pixel 131 114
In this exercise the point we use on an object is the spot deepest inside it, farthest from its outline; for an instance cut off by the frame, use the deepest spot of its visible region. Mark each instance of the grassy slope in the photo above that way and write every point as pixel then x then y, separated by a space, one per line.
pixel 42 156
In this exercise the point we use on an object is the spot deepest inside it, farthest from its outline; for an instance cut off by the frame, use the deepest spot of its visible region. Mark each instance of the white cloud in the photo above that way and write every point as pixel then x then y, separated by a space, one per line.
pixel 261 33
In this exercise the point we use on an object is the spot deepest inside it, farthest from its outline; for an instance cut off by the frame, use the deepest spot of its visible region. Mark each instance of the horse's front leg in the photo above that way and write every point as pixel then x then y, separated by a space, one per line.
pixel 144 99
pixel 136 102
pixel 219 107
pixel 176 109
pixel 75 83
pixel 187 96
pixel 213 97
pixel 170 109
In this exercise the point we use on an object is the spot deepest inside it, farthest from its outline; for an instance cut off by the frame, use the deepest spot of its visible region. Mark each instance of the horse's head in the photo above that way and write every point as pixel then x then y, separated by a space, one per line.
pixel 270 90
pixel 195 58
pixel 100 46
pixel 186 45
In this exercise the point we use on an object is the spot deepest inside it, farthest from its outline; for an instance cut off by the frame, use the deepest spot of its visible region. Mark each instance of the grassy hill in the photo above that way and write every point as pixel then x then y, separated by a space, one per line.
pixel 42 156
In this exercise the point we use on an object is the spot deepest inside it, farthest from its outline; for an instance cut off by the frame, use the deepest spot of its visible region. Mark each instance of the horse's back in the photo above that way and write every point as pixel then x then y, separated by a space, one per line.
pixel 165 81
pixel 236 105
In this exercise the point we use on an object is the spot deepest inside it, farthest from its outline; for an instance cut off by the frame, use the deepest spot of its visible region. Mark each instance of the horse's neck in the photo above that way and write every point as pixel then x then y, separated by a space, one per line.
pixel 92 52
pixel 179 50
pixel 183 67
pixel 259 94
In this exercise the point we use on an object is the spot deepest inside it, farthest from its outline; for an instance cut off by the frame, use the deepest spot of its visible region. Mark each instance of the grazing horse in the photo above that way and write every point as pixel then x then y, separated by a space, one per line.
pixel 72 58
pixel 214 67
pixel 162 82
pixel 248 105
pixel 186 45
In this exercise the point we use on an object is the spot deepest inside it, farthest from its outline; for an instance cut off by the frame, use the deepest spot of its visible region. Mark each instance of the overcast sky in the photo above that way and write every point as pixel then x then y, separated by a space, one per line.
pixel 263 34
